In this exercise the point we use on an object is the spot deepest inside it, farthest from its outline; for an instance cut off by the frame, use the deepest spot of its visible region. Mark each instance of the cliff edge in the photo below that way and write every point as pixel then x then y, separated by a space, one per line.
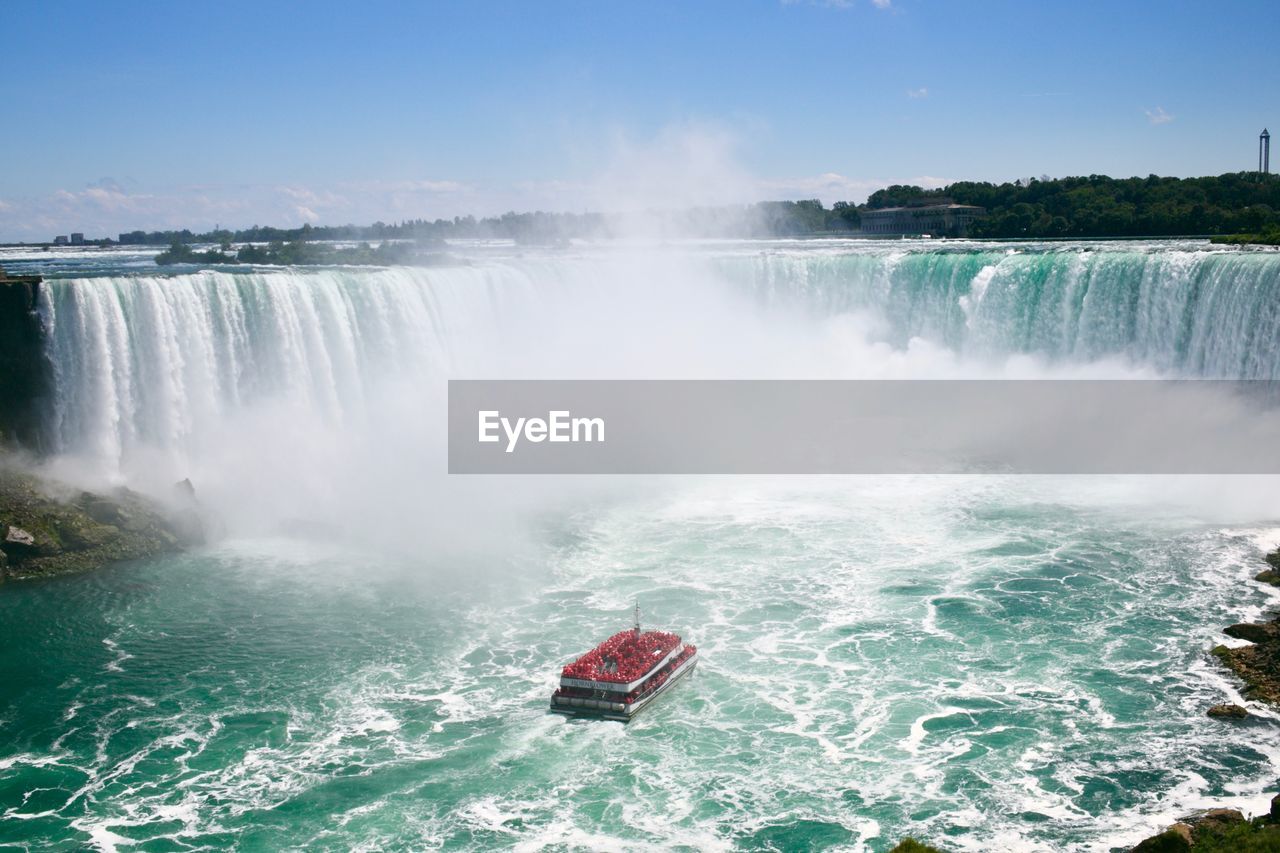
pixel 25 373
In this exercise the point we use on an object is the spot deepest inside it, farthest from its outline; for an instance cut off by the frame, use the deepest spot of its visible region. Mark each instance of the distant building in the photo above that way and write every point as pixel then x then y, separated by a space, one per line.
pixel 937 217
pixel 1264 152
pixel 60 240
pixel 77 239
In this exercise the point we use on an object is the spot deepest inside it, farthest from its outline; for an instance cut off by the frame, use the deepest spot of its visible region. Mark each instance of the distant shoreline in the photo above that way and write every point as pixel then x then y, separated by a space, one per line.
pixel 1092 207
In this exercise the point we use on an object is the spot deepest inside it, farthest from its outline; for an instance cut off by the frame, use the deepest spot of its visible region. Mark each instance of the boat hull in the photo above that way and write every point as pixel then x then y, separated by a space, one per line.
pixel 595 709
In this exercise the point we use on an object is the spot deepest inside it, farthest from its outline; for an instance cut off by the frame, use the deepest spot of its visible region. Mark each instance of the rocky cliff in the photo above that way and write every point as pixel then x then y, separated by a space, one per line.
pixel 47 528
pixel 25 373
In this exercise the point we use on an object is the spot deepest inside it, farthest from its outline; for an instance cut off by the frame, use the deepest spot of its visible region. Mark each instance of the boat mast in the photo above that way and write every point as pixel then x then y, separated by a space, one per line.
pixel 637 616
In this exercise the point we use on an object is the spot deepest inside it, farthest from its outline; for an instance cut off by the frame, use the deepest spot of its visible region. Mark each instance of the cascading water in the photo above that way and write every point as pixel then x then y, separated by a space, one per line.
pixel 150 361
pixel 1183 311
pixel 990 663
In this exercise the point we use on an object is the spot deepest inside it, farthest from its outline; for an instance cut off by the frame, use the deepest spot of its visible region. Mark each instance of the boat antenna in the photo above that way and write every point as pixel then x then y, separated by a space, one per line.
pixel 637 616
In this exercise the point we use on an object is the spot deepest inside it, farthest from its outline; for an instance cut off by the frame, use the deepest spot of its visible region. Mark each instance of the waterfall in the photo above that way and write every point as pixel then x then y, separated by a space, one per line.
pixel 1185 312
pixel 168 364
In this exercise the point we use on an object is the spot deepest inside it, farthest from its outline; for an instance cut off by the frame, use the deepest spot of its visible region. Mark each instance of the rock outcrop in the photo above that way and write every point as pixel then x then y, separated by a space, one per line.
pixel 48 529
pixel 1258 665
pixel 1254 632
pixel 1271 575
pixel 25 372
pixel 910 845
pixel 1211 831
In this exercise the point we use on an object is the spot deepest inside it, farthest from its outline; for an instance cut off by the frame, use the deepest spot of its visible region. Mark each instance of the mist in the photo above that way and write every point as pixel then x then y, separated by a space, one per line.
pixel 312 401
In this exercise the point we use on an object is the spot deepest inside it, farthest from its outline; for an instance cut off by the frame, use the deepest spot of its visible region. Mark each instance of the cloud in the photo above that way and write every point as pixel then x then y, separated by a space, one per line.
pixel 1158 116
pixel 881 4
pixel 107 207
pixel 916 94
pixel 831 187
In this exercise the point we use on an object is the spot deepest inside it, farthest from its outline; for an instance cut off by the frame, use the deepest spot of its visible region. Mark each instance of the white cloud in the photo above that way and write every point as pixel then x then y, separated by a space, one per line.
pixel 831 187
pixel 105 207
pixel 916 94
pixel 881 4
pixel 1158 116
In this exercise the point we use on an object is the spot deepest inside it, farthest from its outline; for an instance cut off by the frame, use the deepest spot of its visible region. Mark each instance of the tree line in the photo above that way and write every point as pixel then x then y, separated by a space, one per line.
pixel 1077 207
pixel 1100 206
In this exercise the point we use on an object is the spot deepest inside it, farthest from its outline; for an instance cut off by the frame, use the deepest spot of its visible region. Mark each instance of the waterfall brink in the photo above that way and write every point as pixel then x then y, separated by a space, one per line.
pixel 163 367
pixel 1191 313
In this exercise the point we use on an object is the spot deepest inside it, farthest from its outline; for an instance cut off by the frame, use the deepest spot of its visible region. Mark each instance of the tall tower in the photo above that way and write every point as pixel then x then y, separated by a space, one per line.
pixel 1264 153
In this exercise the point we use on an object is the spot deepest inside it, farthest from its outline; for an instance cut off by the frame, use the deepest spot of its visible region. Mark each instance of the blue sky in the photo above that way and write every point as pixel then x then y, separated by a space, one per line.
pixel 152 115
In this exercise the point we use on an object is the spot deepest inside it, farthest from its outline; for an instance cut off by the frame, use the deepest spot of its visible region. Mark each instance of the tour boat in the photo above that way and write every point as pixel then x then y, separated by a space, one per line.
pixel 623 675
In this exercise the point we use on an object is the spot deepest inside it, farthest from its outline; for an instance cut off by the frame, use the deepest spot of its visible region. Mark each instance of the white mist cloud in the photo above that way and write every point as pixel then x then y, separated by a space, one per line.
pixel 922 92
pixel 833 186
pixel 688 165
pixel 1158 116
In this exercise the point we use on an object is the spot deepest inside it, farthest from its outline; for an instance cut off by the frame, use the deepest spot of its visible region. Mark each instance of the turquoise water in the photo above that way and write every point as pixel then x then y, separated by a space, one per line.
pixel 991 663
pixel 362 657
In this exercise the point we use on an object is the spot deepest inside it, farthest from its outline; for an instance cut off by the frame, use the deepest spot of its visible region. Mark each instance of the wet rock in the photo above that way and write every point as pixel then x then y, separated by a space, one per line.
pixel 18 543
pixel 1275 808
pixel 1175 839
pixel 1271 576
pixel 1228 711
pixel 1258 666
pixel 78 533
pixel 51 529
pixel 1213 819
pixel 1254 632
pixel 1274 559
pixel 910 845
pixel 100 509
pixel 188 519
pixel 26 375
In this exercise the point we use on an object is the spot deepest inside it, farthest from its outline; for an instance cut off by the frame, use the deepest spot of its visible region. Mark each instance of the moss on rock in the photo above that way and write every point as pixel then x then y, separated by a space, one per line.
pixel 1271 576
pixel 75 531
pixel 910 845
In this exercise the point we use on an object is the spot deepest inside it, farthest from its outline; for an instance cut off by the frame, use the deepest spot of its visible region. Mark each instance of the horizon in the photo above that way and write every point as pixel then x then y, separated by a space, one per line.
pixel 314 115
pixel 620 214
